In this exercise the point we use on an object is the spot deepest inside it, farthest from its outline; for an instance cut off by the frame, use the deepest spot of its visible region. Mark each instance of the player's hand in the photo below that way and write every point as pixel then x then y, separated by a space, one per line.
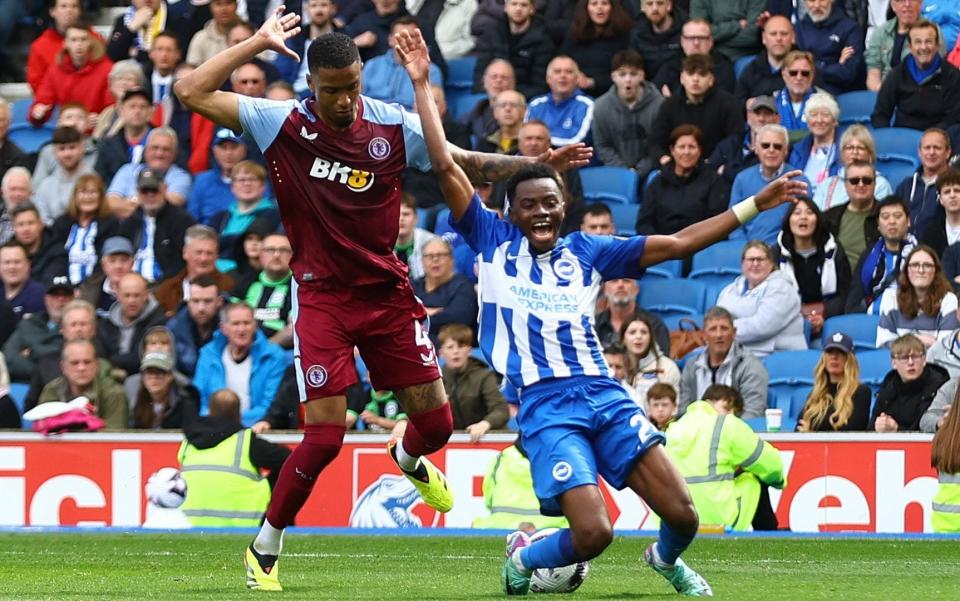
pixel 278 29
pixel 566 157
pixel 414 55
pixel 477 430
pixel 781 190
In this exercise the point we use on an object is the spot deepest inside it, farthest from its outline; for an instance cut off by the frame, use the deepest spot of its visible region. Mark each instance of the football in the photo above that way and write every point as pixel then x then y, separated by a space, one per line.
pixel 565 579
pixel 167 488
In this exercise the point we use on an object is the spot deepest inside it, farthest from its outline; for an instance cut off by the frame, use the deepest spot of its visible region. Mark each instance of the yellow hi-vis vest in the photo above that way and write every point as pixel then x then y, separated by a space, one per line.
pixel 708 448
pixel 224 488
pixel 508 495
pixel 946 504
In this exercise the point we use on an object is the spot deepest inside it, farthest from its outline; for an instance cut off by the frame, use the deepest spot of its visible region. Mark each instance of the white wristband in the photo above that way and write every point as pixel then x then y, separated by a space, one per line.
pixel 745 210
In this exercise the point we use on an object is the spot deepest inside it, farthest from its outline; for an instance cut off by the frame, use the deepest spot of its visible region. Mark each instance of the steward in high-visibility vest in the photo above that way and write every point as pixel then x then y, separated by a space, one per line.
pixel 508 494
pixel 945 457
pixel 222 462
pixel 723 460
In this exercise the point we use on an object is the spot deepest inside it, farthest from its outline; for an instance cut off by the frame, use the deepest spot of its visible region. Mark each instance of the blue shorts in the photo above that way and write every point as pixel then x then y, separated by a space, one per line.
pixel 576 428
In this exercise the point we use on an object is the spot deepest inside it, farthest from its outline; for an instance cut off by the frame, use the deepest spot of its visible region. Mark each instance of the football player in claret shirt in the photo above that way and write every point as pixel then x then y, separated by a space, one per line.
pixel 335 161
pixel 537 294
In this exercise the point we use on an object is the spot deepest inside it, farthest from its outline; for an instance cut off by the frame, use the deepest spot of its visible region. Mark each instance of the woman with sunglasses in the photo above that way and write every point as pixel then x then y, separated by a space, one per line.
pixel 856 144
pixel 798 73
pixel 922 304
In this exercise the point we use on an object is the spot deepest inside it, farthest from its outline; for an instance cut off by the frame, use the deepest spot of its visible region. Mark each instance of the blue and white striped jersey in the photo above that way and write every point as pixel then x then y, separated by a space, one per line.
pixel 536 310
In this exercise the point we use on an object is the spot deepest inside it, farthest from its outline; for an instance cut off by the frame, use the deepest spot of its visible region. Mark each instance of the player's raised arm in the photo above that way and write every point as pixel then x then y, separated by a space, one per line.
pixel 456 187
pixel 200 91
pixel 704 233
pixel 489 167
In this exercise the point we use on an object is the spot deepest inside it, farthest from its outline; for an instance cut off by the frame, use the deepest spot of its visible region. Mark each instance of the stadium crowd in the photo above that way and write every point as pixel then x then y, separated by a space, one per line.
pixel 144 265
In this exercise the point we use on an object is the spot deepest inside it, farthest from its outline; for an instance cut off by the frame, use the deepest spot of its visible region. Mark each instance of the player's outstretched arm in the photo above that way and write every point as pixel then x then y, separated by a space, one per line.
pixel 456 187
pixel 200 91
pixel 704 233
pixel 488 167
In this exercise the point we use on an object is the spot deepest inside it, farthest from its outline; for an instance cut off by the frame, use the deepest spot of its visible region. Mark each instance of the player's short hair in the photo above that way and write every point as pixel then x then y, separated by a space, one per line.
pixel 906 344
pixel 532 171
pixel 950 177
pixel 460 333
pixel 247 166
pixel 626 58
pixel 720 392
pixel 597 209
pixel 662 390
pixel 698 63
pixel 332 51
pixel 408 200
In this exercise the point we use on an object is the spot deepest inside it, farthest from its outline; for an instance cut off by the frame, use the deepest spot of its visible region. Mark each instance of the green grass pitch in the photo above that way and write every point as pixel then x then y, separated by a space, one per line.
pixel 182 567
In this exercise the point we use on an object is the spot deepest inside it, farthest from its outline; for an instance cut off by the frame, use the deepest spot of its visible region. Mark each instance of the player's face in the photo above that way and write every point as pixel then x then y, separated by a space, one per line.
pixel 537 209
pixel 336 92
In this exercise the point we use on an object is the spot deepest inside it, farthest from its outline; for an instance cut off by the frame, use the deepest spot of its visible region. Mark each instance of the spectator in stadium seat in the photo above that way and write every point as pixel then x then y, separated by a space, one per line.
pixel 116 261
pixel 164 56
pixel 212 38
pixel 566 110
pixel 838 401
pixel 685 190
pixel 47 257
pixel 448 296
pixel 135 311
pixel 646 362
pixel 73 115
pixel 161 401
pixel 920 189
pixel 818 154
pixel 814 262
pixel 715 112
pixel 136 32
pixel 411 240
pixel 159 154
pixel 38 334
pixel 509 107
pixel 597 220
pixel 944 228
pixel 246 253
pixel 156 228
pixel 321 20
pixel 922 304
pixel 240 358
pixel 81 377
pixel 598 30
pixel 662 405
pixel 16 190
pixel 22 293
pixel 889 45
pixel 211 193
pixel 735 152
pixel 200 251
pixel 522 39
pixel 11 155
pixel 798 73
pixel 270 293
pixel 451 26
pixel 248 183
pixel 854 223
pixel 837 43
pixel 384 77
pixel 856 144
pixel 157 339
pixel 880 265
pixel 52 194
pixel 908 389
pixel 621 297
pixel 124 76
pixel 78 75
pixel 734 24
pixel 942 354
pixel 724 361
pixel 498 77
pixel 761 77
pixel 923 91
pixel 84 227
pixel 656 35
pixel 695 38
pixel 476 401
pixel 616 357
pixel 196 322
pixel 44 50
pixel 771 145
pixel 135 109
pixel 371 29
pixel 624 116
pixel 243 30
pixel 764 304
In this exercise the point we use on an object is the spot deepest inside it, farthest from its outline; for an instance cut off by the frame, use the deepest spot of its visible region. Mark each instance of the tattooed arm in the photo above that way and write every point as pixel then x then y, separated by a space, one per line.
pixel 489 167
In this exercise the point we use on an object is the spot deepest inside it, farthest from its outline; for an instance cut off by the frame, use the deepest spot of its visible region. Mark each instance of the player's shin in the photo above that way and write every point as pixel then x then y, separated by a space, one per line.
pixel 554 551
pixel 672 542
pixel 427 431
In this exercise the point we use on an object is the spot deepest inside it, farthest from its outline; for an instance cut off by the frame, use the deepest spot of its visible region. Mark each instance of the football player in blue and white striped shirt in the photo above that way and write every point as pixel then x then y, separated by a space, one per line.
pixel 537 293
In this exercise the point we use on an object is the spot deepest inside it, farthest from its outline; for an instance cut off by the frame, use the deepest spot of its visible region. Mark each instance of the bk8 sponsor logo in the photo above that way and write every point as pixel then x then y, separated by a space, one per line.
pixel 356 180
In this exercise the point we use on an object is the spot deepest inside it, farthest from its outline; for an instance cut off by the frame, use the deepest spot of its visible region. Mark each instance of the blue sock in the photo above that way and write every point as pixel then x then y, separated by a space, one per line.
pixel 671 543
pixel 552 552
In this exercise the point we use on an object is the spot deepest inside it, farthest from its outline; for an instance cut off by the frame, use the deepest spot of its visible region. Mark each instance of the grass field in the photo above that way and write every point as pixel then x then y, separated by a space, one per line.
pixel 317 567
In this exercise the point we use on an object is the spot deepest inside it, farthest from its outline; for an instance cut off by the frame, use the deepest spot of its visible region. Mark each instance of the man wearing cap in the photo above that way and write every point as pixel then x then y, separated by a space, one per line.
pixel 48 257
pixel 116 261
pixel 156 228
pixel 211 192
pixel 735 153
pixel 127 145
pixel 52 193
pixel 159 154
pixel 20 291
pixel 39 334
pixel 129 318
pixel 162 398
pixel 82 377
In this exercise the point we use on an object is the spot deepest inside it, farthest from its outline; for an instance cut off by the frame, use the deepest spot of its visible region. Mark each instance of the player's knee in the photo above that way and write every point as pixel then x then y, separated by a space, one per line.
pixel 685 519
pixel 590 542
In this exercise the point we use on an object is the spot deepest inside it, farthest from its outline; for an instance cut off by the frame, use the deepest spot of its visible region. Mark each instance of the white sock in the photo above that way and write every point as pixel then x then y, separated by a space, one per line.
pixel 518 563
pixel 269 540
pixel 407 461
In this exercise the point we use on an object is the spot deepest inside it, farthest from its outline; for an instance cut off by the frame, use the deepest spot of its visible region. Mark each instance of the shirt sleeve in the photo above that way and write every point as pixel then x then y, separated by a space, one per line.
pixel 263 118
pixel 413 142
pixel 178 182
pixel 120 184
pixel 617 257
pixel 482 229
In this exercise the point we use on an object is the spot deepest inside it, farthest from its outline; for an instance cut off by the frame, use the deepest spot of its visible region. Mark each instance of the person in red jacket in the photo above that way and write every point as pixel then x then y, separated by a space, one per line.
pixel 78 75
pixel 44 50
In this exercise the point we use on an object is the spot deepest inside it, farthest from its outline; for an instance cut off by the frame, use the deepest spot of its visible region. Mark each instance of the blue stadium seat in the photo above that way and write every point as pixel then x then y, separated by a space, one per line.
pixel 741 64
pixel 460 72
pixel 442 225
pixel 666 297
pixel 900 141
pixel 859 326
pixel 668 269
pixel 856 107
pixel 874 367
pixel 20 111
pixel 722 257
pixel 609 184
pixel 18 393
pixel 791 376
pixel 30 138
pixel 624 218
pixel 462 104
pixel 896 167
